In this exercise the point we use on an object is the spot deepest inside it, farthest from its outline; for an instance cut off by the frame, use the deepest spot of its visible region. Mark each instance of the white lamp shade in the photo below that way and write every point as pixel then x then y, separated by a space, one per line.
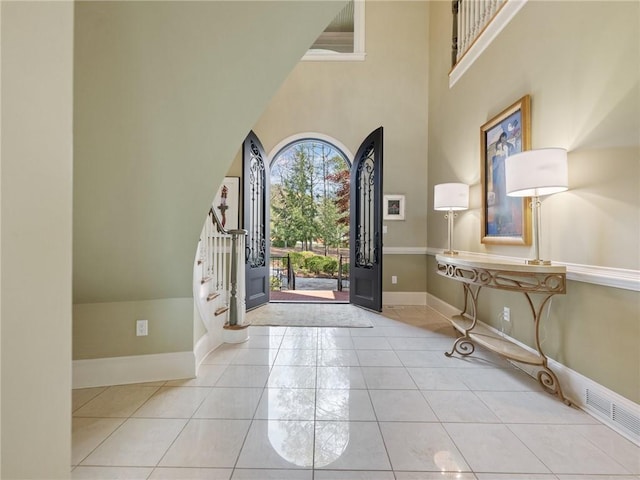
pixel 536 172
pixel 451 196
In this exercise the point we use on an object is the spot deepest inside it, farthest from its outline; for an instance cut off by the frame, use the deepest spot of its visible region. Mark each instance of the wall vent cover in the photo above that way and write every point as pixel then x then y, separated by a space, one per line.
pixel 620 417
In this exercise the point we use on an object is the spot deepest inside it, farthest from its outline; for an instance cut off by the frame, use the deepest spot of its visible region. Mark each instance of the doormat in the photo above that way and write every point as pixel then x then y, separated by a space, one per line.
pixel 311 315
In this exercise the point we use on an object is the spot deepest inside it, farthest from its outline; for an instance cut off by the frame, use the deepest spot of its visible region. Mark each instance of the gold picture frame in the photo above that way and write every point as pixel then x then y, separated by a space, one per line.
pixel 505 220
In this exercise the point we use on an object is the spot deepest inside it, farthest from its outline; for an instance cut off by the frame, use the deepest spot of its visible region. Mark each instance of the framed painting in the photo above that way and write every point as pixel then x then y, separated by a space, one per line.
pixel 505 220
pixel 393 207
pixel 227 201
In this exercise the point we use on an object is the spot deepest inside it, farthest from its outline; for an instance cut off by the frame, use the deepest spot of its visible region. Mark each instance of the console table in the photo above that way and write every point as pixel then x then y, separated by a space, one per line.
pixel 537 282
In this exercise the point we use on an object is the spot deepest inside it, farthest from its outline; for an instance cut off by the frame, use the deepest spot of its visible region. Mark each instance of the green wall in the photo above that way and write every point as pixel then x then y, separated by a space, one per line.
pixel 164 93
pixel 347 100
pixel 36 162
pixel 579 63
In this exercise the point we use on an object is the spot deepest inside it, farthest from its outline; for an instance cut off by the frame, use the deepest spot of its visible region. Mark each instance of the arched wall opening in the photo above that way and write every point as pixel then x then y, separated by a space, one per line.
pixel 309 203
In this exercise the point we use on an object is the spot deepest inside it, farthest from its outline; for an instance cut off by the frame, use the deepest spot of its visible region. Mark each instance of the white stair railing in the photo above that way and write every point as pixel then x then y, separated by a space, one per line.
pixel 221 274
pixel 470 19
pixel 476 23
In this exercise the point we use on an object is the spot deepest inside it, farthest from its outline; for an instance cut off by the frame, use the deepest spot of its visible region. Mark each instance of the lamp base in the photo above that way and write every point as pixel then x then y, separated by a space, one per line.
pixel 538 262
pixel 450 252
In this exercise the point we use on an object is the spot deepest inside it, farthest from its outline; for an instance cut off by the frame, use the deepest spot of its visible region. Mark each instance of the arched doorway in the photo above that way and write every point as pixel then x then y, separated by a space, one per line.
pixel 365 221
pixel 309 219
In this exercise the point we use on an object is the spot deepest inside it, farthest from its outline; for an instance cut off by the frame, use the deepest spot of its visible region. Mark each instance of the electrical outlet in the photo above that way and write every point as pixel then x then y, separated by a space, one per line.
pixel 142 328
pixel 394 279
pixel 384 229
pixel 506 314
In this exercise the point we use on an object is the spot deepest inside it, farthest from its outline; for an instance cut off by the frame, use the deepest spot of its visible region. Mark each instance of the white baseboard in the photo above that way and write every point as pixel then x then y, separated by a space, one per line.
pixel 612 409
pixel 100 372
pixel 204 347
pixel 404 298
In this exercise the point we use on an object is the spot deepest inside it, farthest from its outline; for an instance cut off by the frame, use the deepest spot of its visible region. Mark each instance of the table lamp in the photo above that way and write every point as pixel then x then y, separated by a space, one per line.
pixel 535 173
pixel 450 197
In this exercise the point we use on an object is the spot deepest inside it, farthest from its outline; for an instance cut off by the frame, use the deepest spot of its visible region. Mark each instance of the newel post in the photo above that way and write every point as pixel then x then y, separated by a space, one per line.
pixel 235 330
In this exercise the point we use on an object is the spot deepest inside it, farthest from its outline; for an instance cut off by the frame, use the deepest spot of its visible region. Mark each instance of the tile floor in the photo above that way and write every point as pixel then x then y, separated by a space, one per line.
pixel 377 403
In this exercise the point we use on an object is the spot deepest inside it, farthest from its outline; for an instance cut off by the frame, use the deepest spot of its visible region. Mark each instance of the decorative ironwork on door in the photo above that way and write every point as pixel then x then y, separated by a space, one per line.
pixel 257 243
pixel 256 221
pixel 366 247
pixel 365 272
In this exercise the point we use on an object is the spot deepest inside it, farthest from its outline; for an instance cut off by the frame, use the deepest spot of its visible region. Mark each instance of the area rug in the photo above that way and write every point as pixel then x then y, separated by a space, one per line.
pixel 311 315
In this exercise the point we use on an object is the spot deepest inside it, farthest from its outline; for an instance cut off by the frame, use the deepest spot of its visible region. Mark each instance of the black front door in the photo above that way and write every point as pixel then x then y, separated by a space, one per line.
pixel 365 272
pixel 256 221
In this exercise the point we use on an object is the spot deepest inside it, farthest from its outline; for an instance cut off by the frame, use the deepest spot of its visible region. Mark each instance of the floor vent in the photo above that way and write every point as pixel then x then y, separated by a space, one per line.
pixel 624 417
pixel 619 416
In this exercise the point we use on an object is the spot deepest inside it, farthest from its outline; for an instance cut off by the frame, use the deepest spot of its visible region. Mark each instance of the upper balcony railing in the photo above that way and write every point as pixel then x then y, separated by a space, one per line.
pixel 475 24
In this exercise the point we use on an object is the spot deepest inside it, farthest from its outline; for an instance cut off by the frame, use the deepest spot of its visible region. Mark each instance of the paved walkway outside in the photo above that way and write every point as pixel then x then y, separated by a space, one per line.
pixel 313 290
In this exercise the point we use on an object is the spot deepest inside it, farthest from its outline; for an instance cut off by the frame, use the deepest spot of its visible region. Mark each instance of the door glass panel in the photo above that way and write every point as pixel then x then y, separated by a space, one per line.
pixel 365 247
pixel 256 241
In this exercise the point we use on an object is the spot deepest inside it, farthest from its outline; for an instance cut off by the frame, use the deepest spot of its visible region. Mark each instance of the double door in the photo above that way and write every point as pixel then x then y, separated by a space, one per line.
pixel 365 235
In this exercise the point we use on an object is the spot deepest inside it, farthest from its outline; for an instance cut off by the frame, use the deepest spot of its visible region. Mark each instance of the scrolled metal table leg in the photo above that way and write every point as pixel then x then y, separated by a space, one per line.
pixel 551 384
pixel 462 346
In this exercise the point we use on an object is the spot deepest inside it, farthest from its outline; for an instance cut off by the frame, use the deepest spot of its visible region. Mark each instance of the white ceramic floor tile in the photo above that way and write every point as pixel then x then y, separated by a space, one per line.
pixel 81 396
pixel 499 379
pixel 493 448
pixel 287 404
pixel 371 343
pixel 420 343
pixel 596 477
pixel 334 332
pixel 229 403
pixel 138 442
pixel 168 473
pixel 118 401
pixel 344 405
pixel 613 444
pixel 378 378
pixel 340 377
pixel 88 433
pixel 427 378
pixel 516 476
pixel 400 330
pixel 564 450
pixel 111 473
pixel 352 475
pixel 459 407
pixel 350 446
pixel 299 342
pixel 244 376
pixel 421 447
pixel 278 444
pixel 173 402
pixel 498 417
pixel 533 407
pixel 336 342
pixel 297 357
pixel 207 443
pixel 265 330
pixel 221 355
pixel 366 332
pixel 255 356
pixel 208 375
pixel 263 474
pixel 285 376
pixel 303 331
pixel 338 358
pixel 401 406
pixel 425 358
pixel 378 358
pixel 268 342
pixel 437 476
